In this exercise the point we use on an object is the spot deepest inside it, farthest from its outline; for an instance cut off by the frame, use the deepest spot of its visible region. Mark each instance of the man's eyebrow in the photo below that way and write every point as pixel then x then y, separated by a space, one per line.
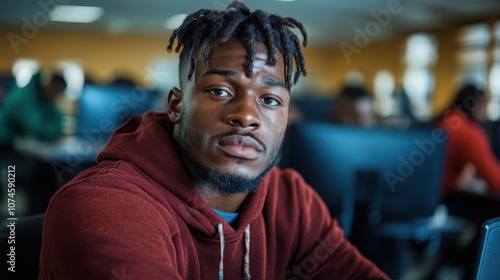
pixel 225 73
pixel 273 83
pixel 231 74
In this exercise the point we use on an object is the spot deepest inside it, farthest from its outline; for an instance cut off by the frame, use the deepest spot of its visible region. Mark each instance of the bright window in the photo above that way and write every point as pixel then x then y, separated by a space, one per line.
pixel 472 57
pixel 24 69
pixel 75 78
pixel 418 81
pixel 384 85
pixel 494 78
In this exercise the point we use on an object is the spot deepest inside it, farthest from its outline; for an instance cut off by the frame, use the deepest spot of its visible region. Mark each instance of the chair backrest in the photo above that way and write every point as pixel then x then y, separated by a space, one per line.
pixel 488 253
pixel 402 167
pixel 28 243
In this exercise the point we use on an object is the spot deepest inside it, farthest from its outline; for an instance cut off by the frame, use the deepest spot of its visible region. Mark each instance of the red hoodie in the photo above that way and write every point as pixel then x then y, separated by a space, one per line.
pixel 137 216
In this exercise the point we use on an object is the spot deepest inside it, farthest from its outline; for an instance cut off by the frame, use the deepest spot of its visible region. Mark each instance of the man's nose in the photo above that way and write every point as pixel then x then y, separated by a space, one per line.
pixel 244 111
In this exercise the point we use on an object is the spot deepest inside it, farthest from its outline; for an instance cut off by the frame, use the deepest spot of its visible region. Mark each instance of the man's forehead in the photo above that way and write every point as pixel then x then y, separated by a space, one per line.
pixel 236 45
pixel 235 51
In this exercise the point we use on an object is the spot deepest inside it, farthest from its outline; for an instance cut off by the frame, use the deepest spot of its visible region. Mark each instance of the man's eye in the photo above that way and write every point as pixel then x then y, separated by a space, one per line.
pixel 218 92
pixel 270 101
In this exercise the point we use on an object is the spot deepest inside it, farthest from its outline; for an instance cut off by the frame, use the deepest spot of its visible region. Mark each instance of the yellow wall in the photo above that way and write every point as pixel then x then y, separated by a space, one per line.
pixel 101 55
pixel 104 55
pixel 445 69
pixel 328 65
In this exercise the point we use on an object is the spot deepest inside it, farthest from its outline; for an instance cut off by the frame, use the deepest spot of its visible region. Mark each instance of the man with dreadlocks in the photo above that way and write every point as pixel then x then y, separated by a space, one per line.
pixel 192 193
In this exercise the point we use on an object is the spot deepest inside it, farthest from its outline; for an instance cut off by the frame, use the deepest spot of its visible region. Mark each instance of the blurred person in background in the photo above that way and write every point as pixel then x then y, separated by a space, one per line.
pixel 354 106
pixel 469 151
pixel 31 111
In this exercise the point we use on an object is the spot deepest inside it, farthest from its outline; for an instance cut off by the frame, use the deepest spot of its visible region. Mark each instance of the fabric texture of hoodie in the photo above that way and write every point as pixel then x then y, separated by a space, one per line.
pixel 136 215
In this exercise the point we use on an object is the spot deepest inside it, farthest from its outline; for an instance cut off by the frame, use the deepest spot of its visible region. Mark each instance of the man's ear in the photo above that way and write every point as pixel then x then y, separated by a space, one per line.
pixel 174 104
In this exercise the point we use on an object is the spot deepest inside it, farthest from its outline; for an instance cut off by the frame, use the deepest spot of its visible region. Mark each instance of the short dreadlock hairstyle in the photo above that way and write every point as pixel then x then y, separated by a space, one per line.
pixel 251 27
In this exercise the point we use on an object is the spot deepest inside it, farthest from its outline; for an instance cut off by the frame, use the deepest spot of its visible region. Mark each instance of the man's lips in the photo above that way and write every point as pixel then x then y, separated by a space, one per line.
pixel 240 146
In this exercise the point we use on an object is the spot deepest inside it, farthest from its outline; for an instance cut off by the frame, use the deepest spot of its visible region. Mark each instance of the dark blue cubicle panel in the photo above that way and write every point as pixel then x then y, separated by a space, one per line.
pixel 7 82
pixel 397 172
pixel 103 108
pixel 492 130
pixel 314 108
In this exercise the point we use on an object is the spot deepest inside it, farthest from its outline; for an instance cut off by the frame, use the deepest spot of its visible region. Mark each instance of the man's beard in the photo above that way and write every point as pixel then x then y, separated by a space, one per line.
pixel 221 183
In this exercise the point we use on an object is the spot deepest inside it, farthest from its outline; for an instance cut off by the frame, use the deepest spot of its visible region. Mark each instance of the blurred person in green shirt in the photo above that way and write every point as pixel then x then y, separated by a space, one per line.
pixel 31 111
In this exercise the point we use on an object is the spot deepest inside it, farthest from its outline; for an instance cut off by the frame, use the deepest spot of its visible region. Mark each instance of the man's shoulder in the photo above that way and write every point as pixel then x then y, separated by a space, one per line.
pixel 108 175
pixel 287 183
pixel 113 194
pixel 284 175
pixel 108 182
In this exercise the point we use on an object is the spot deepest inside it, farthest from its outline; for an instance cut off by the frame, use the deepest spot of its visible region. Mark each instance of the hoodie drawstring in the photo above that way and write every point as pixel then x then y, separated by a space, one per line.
pixel 246 260
pixel 221 264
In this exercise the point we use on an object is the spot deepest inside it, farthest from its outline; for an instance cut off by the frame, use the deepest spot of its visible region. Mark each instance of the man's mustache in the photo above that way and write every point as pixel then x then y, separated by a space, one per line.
pixel 239 133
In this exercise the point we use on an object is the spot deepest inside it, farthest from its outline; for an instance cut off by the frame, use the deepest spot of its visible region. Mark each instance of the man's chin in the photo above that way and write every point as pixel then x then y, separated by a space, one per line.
pixel 227 183
pixel 242 174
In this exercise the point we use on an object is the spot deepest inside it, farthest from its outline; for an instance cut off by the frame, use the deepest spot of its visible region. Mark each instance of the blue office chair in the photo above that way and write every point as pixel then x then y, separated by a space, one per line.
pixel 488 253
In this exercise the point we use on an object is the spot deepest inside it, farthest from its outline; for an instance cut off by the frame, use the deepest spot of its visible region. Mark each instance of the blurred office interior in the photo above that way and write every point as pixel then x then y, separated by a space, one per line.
pixel 411 56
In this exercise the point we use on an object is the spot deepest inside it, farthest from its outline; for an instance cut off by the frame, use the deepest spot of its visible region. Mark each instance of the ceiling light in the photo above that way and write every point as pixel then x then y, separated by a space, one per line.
pixel 81 14
pixel 175 21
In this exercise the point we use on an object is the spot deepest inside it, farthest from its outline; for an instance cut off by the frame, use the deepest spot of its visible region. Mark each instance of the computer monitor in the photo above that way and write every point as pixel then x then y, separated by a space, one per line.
pixel 397 171
pixel 103 108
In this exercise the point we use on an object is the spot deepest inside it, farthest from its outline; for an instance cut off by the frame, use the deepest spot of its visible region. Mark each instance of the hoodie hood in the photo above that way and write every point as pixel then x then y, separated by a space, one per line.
pixel 146 143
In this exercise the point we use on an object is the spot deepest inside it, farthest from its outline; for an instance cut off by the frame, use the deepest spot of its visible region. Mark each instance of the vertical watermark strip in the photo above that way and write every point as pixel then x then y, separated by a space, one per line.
pixel 11 217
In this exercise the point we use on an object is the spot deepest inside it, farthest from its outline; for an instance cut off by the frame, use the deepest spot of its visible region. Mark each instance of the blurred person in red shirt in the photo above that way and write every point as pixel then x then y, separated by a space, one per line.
pixel 469 149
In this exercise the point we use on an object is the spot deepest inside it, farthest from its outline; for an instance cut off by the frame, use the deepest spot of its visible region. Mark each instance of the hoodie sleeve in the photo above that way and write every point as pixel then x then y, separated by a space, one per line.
pixel 323 252
pixel 88 235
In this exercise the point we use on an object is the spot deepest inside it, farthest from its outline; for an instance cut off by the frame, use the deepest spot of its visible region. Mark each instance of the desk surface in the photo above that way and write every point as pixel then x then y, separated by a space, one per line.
pixel 69 149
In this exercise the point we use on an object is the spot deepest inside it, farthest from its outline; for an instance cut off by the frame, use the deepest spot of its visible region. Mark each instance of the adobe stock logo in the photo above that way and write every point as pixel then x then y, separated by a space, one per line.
pixel 362 37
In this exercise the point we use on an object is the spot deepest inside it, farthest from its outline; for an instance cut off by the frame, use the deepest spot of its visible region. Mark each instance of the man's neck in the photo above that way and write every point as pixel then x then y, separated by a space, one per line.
pixel 225 203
